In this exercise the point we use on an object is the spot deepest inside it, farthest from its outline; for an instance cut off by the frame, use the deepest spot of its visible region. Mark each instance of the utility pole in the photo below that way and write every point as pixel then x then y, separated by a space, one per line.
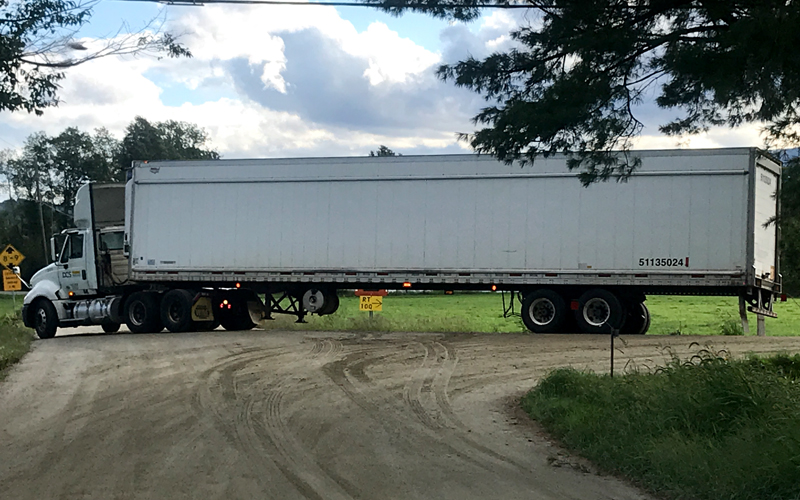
pixel 41 214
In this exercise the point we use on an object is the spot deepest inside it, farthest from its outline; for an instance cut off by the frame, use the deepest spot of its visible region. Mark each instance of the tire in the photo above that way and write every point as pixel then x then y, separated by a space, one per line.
pixel 543 311
pixel 110 326
pixel 331 303
pixel 638 320
pixel 142 313
pixel 176 311
pixel 44 319
pixel 598 311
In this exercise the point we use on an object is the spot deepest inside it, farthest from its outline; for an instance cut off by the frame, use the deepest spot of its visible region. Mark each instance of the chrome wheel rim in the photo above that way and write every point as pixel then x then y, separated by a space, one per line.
pixel 542 311
pixel 138 313
pixel 596 312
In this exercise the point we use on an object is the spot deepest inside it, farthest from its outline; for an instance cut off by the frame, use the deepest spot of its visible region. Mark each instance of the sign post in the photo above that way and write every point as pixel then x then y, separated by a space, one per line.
pixel 10 257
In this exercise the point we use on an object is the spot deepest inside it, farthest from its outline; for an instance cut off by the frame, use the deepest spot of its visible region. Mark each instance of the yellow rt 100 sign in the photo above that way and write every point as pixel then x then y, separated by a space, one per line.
pixel 370 303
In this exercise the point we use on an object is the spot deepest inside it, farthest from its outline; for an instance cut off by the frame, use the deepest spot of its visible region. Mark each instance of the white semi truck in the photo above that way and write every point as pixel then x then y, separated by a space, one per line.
pixel 194 244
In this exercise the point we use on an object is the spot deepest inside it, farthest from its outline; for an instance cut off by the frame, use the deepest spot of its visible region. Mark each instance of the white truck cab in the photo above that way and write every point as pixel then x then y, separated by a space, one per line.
pixel 80 286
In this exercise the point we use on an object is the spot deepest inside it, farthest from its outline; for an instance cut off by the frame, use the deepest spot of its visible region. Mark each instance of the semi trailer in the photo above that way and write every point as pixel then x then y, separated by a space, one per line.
pixel 189 245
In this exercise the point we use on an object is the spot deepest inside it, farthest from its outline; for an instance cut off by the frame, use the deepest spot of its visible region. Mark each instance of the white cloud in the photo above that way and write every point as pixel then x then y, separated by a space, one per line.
pixel 272 82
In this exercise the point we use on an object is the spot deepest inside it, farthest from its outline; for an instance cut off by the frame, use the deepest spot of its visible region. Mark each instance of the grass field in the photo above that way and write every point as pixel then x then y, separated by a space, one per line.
pixel 708 429
pixel 483 312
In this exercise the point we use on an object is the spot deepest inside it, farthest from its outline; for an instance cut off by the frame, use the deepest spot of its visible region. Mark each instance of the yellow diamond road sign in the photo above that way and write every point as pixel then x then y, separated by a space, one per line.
pixel 11 282
pixel 11 257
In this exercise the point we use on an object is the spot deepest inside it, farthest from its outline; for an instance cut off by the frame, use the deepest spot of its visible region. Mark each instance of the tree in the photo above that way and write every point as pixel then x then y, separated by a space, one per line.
pixel 170 140
pixel 383 151
pixel 577 72
pixel 37 45
pixel 53 168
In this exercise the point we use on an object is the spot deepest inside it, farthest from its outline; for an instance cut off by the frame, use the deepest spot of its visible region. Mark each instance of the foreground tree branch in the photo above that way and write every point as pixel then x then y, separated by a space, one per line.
pixel 37 44
pixel 572 82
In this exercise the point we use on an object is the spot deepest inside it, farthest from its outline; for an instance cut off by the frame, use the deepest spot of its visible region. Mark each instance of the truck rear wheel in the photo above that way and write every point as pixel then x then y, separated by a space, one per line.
pixel 638 320
pixel 142 313
pixel 45 319
pixel 543 311
pixel 598 311
pixel 176 310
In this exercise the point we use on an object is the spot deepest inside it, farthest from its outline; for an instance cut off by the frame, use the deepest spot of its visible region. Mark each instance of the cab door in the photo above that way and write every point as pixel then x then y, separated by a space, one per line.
pixel 72 265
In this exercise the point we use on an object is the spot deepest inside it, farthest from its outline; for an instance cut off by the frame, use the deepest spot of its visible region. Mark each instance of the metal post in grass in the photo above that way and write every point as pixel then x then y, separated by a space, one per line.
pixel 614 334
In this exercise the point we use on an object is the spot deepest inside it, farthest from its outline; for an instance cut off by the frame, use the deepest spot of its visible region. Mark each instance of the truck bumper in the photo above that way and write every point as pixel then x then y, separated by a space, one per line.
pixel 25 315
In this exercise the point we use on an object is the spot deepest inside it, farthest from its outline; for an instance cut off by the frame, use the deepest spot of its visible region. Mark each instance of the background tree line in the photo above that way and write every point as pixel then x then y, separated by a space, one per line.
pixel 43 178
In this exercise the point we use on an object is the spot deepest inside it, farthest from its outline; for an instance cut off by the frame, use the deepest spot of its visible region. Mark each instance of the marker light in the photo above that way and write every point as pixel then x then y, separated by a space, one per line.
pixel 71 294
pixel 494 288
pixel 238 285
pixel 407 284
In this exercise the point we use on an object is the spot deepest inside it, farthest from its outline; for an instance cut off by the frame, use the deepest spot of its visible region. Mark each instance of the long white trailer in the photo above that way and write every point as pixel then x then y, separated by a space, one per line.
pixel 687 221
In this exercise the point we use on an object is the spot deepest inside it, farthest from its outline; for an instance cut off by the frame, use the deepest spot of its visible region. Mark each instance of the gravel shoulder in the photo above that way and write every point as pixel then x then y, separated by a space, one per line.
pixel 303 415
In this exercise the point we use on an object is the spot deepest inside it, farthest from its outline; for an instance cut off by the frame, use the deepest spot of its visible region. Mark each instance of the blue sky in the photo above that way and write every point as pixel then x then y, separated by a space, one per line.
pixel 294 81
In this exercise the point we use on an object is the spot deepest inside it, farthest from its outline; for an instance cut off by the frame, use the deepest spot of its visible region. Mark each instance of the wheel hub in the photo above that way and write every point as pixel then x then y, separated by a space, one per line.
pixel 596 312
pixel 542 311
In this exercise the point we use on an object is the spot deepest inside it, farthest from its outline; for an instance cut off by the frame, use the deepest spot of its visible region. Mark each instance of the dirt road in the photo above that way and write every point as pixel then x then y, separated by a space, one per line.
pixel 292 415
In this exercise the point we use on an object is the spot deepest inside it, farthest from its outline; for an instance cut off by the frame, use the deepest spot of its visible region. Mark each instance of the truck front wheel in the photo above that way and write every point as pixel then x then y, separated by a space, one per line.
pixel 45 319
pixel 543 311
pixel 142 313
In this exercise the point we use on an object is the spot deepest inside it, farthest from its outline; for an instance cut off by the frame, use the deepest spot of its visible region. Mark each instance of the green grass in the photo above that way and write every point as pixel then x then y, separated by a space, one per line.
pixel 707 429
pixel 15 339
pixel 428 312
pixel 483 312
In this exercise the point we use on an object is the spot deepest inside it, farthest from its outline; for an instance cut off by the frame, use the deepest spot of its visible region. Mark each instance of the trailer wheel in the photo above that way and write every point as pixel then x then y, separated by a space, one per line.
pixel 638 320
pixel 142 314
pixel 176 310
pixel 599 310
pixel 543 311
pixel 331 303
pixel 110 326
pixel 45 319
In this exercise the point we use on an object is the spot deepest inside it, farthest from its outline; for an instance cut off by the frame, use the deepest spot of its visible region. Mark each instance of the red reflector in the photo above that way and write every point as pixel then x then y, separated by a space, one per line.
pixel 574 305
pixel 783 297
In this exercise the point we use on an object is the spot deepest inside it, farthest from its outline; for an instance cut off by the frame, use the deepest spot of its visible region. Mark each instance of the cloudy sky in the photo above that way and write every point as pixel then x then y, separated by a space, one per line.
pixel 271 81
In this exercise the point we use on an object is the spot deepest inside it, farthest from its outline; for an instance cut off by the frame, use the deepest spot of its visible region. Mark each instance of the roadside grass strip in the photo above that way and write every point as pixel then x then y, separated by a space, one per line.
pixel 706 428
pixel 15 341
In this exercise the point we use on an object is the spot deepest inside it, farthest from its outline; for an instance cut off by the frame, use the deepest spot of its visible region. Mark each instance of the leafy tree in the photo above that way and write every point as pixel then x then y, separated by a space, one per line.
pixel 58 166
pixel 170 140
pixel 383 151
pixel 577 71
pixel 790 225
pixel 37 45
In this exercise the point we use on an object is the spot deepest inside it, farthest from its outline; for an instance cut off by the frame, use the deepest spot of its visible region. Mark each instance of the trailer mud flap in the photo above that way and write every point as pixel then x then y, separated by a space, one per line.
pixel 258 312
pixel 202 310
